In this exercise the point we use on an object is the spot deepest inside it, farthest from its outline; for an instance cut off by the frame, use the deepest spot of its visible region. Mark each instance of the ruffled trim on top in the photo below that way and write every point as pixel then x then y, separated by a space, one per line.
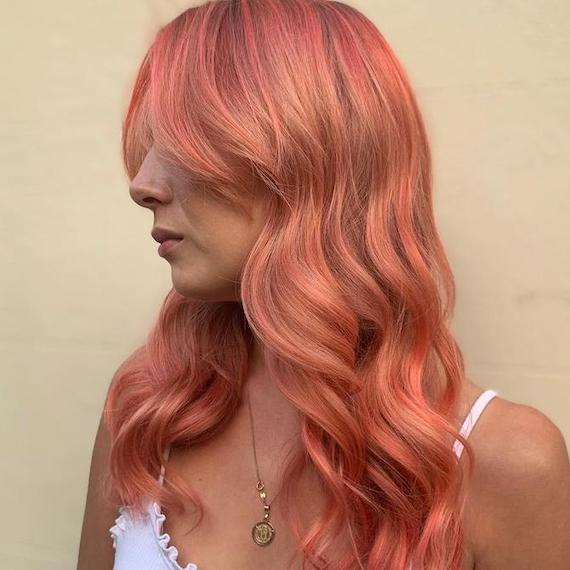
pixel 119 526
pixel 163 539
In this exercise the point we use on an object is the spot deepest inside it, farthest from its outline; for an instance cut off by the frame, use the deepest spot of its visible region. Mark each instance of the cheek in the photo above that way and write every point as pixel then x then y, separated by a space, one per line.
pixel 211 274
pixel 222 235
pixel 217 250
pixel 229 249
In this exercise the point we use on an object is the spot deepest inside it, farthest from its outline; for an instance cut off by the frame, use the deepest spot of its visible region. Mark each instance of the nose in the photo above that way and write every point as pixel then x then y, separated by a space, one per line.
pixel 149 194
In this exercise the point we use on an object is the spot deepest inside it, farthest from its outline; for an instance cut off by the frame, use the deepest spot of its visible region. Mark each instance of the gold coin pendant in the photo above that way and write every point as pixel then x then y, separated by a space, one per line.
pixel 262 533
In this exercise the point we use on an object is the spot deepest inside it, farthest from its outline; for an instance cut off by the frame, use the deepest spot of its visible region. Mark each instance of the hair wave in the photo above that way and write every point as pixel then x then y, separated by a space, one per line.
pixel 348 286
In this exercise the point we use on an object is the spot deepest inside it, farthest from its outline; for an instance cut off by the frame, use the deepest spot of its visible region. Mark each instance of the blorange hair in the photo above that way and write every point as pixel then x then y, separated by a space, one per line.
pixel 348 286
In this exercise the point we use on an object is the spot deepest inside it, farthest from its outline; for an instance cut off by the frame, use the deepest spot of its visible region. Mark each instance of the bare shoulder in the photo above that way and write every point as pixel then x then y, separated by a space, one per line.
pixel 520 490
pixel 101 509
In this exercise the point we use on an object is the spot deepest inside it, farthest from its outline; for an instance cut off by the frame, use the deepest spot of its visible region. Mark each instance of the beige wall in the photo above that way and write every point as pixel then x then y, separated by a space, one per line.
pixel 82 282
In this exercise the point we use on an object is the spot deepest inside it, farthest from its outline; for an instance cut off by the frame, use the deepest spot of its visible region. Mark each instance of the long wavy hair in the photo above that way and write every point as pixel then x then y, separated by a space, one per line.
pixel 348 287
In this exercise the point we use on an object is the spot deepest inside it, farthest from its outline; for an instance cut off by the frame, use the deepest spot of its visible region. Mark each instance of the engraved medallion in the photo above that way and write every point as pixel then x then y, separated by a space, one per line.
pixel 262 533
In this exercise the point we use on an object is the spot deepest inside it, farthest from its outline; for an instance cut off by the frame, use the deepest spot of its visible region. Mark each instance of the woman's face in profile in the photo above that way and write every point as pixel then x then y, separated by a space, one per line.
pixel 216 238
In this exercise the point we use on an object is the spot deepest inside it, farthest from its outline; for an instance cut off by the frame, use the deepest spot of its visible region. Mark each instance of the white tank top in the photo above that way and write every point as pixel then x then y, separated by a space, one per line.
pixel 143 545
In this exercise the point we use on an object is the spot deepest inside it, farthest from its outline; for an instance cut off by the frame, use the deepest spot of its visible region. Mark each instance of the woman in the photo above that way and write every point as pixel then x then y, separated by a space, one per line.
pixel 301 401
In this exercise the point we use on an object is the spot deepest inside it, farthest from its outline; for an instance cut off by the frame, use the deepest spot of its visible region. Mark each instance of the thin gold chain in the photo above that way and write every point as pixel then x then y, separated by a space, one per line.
pixel 260 482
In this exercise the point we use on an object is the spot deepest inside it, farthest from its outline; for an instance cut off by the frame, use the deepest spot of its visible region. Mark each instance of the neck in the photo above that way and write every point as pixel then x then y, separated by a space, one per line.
pixel 270 407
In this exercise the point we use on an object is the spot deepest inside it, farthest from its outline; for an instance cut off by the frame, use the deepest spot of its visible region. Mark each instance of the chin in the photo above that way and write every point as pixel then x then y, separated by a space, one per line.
pixel 201 293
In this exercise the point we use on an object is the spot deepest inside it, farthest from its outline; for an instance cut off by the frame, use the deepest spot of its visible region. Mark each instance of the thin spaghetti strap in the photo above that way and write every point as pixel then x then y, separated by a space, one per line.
pixel 472 417
pixel 162 465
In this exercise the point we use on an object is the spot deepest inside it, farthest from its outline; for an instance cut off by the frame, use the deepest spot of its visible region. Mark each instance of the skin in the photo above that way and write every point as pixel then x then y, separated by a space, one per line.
pixel 217 238
pixel 518 500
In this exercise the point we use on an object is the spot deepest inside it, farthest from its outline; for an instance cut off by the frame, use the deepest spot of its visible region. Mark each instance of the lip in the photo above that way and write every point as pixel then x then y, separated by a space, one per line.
pixel 162 234
pixel 167 246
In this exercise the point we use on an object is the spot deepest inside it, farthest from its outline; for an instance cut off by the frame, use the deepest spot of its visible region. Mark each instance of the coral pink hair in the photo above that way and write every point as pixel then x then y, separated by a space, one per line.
pixel 347 287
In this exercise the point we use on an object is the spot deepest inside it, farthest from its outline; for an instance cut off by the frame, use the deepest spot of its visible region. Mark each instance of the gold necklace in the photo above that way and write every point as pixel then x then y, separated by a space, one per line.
pixel 263 531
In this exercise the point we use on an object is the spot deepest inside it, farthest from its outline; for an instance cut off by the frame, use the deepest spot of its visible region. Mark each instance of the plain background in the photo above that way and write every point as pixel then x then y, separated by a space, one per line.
pixel 82 282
